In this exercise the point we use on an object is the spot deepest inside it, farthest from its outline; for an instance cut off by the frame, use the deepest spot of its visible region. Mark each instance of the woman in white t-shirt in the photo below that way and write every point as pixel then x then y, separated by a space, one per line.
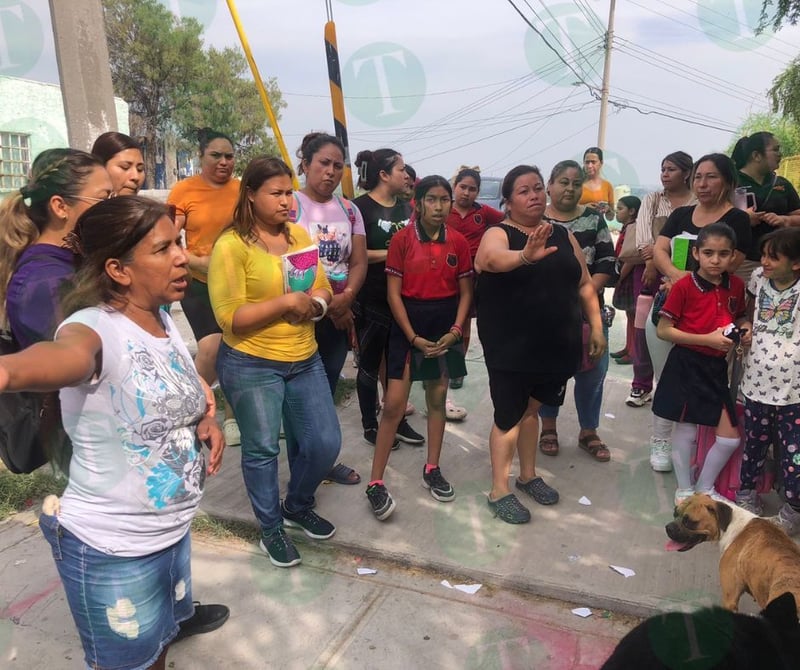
pixel 137 414
pixel 337 228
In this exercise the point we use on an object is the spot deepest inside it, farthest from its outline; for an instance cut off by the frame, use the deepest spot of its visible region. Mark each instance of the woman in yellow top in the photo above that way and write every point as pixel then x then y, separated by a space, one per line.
pixel 203 207
pixel 597 192
pixel 269 368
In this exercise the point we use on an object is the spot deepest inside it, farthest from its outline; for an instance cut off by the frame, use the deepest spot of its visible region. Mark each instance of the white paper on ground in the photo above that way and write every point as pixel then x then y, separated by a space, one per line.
pixel 582 612
pixel 625 572
pixel 367 571
pixel 472 589
pixel 584 501
pixel 609 415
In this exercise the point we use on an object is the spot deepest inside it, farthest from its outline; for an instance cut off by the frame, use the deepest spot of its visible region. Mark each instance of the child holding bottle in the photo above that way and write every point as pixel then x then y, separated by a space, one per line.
pixel 698 317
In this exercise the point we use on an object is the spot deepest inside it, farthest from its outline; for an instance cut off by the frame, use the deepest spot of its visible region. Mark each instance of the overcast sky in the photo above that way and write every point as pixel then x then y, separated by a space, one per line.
pixel 451 82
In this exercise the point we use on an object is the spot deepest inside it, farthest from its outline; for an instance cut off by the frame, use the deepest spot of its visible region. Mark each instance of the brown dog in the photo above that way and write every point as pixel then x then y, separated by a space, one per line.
pixel 757 556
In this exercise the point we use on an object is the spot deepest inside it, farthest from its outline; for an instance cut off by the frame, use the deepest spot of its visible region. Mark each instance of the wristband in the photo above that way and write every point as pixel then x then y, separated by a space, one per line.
pixel 322 303
pixel 524 260
pixel 455 329
pixel 413 339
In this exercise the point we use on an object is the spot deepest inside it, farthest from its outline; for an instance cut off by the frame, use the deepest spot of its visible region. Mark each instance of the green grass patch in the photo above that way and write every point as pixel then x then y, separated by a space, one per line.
pixel 21 492
pixel 344 390
pixel 219 529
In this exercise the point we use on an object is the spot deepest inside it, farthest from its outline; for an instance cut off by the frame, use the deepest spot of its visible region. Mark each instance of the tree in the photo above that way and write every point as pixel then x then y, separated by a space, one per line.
pixel 785 10
pixel 786 131
pixel 226 99
pixel 785 91
pixel 154 57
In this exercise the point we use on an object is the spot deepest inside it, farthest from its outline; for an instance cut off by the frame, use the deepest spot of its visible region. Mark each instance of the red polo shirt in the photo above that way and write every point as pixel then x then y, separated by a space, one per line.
pixel 474 224
pixel 697 306
pixel 430 269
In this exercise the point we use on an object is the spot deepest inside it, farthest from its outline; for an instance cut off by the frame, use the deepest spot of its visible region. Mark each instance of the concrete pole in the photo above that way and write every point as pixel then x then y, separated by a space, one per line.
pixel 601 129
pixel 83 69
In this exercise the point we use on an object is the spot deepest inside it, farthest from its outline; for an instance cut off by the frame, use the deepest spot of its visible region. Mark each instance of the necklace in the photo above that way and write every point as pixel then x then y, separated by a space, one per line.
pixel 522 229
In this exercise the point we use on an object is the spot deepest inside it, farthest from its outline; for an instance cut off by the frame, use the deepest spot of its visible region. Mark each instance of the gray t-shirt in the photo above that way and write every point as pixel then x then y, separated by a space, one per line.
pixel 137 469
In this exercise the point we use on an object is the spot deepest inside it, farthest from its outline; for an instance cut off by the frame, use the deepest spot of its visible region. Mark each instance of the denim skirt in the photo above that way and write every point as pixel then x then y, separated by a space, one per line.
pixel 126 608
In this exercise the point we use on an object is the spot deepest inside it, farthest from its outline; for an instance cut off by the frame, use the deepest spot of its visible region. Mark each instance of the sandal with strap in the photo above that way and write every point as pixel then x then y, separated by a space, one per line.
pixel 548 442
pixel 595 447
pixel 341 474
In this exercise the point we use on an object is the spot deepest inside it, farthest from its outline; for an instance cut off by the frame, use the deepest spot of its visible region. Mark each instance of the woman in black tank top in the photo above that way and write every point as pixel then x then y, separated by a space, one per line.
pixel 532 287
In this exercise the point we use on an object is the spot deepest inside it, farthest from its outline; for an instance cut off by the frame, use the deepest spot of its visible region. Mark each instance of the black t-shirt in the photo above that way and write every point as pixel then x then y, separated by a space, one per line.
pixel 380 225
pixel 776 195
pixel 680 221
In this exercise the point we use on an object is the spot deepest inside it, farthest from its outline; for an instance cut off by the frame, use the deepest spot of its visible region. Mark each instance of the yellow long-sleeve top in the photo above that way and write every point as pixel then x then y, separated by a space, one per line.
pixel 241 273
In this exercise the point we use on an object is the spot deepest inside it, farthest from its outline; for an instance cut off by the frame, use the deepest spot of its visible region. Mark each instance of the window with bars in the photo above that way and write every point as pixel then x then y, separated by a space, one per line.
pixel 15 160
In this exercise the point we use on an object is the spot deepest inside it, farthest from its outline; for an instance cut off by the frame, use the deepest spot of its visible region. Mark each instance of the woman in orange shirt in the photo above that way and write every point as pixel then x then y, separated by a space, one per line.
pixel 597 192
pixel 204 205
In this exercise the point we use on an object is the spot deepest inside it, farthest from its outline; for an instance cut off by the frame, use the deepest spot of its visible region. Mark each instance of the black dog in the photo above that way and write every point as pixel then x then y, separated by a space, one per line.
pixel 713 639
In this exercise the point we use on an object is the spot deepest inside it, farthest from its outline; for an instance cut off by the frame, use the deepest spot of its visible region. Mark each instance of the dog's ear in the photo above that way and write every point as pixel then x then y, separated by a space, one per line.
pixel 724 515
pixel 782 612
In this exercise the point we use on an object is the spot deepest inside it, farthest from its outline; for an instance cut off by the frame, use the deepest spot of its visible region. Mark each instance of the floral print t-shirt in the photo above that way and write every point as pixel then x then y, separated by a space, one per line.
pixel 137 470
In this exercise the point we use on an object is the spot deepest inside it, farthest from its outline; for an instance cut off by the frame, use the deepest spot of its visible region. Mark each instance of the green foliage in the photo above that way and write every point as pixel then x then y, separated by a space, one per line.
pixel 786 130
pixel 19 492
pixel 225 98
pixel 154 58
pixel 785 91
pixel 787 11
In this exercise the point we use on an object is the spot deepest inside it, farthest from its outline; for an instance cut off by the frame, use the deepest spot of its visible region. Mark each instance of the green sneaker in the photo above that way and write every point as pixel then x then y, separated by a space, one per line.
pixel 510 509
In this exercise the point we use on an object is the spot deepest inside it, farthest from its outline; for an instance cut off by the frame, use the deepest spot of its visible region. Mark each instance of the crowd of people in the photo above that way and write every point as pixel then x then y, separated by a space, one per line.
pixel 278 285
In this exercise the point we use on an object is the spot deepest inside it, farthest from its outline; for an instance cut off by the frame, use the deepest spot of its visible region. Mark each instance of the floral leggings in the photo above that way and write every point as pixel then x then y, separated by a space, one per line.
pixel 780 427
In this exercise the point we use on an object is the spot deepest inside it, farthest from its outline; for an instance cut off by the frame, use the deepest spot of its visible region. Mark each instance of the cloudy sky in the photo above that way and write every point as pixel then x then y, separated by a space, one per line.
pixel 451 82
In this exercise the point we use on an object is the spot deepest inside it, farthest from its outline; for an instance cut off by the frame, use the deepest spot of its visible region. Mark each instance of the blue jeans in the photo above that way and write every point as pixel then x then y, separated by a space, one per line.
pixel 588 393
pixel 261 392
pixel 333 345
pixel 126 609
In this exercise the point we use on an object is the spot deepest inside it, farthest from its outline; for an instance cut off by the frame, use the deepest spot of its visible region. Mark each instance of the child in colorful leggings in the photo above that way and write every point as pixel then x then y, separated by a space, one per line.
pixel 771 381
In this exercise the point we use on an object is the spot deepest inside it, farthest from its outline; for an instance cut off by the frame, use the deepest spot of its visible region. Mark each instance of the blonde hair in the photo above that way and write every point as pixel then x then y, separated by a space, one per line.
pixel 60 172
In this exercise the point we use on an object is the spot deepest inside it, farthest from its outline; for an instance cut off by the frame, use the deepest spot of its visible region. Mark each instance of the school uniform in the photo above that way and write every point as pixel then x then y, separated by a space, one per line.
pixel 430 271
pixel 693 387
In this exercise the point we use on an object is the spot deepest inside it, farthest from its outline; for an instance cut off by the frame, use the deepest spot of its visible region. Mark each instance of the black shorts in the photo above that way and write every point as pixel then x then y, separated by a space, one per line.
pixel 196 307
pixel 511 392
pixel 693 388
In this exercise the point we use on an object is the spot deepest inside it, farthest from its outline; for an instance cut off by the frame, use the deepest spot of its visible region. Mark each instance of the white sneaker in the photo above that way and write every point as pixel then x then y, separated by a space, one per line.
pixel 681 495
pixel 638 398
pixel 660 455
pixel 714 495
pixel 453 412
pixel 788 519
pixel 230 429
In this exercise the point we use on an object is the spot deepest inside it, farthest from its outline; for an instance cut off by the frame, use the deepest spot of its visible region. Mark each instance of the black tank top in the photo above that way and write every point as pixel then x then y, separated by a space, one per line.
pixel 529 319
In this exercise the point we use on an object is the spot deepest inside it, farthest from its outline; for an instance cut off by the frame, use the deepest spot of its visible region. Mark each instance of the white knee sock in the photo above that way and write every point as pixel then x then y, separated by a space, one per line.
pixel 684 446
pixel 716 459
pixel 662 428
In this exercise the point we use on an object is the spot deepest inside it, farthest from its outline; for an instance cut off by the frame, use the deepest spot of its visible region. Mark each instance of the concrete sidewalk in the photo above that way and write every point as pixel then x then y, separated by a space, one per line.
pixel 322 615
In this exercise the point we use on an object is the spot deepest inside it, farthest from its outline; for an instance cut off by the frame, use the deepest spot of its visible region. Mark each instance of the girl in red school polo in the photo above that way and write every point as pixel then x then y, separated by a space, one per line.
pixel 429 289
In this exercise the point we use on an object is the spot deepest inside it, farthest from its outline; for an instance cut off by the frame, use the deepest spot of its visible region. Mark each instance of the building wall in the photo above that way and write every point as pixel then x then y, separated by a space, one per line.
pixel 37 109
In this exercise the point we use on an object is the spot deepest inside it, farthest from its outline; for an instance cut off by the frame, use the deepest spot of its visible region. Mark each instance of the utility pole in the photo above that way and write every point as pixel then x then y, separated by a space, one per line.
pixel 601 130
pixel 83 70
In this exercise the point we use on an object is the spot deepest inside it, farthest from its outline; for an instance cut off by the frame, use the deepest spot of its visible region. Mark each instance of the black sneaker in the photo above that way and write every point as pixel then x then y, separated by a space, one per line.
pixel 205 619
pixel 405 433
pixel 312 523
pixel 439 487
pixel 280 549
pixel 380 500
pixel 371 437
